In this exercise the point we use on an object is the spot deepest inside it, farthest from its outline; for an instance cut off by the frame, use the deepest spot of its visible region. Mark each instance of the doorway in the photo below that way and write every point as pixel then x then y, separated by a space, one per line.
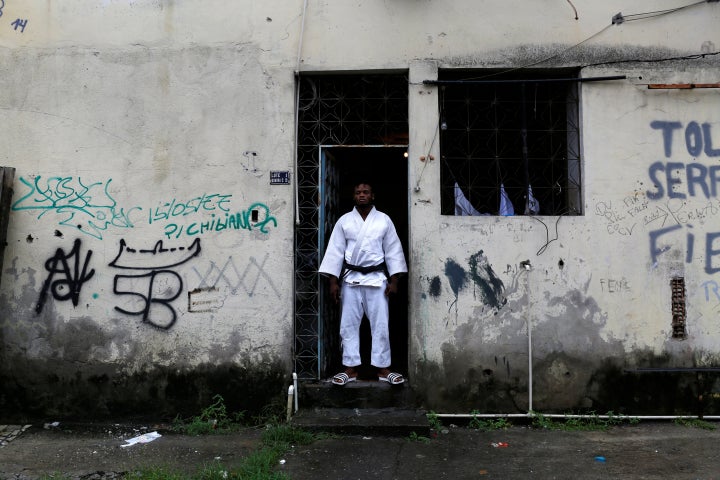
pixel 386 168
pixel 351 122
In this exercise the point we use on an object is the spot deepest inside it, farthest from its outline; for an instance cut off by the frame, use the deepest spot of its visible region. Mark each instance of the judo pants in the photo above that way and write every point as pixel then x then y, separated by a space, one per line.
pixel 371 301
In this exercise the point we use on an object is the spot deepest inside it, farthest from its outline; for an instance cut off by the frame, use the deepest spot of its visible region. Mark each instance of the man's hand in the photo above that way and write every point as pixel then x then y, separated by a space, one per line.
pixel 334 289
pixel 391 286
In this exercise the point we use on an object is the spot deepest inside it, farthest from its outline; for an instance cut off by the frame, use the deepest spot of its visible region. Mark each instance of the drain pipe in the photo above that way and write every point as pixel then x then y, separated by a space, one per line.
pixel 526 265
pixel 290 402
pixel 297 113
pixel 296 392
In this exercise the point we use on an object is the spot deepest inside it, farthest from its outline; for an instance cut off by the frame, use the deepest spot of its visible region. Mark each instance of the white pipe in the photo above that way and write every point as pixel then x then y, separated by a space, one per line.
pixel 562 415
pixel 296 391
pixel 529 330
pixel 290 402
pixel 297 114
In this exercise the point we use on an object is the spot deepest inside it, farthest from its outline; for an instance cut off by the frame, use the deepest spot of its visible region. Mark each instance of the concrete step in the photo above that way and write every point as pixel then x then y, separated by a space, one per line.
pixel 361 394
pixel 366 422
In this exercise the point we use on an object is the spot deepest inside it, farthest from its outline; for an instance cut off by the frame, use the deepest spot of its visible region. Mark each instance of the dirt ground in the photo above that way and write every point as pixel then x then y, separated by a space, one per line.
pixel 650 450
pixel 97 451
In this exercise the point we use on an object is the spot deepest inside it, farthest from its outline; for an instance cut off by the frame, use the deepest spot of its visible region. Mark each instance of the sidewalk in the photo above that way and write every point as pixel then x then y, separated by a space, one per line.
pixel 644 451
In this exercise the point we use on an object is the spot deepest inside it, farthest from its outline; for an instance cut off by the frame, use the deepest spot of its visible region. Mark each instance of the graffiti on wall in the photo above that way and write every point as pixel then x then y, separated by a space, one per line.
pixel 675 182
pixel 20 23
pixel 683 198
pixel 230 276
pixel 711 287
pixel 90 208
pixel 67 272
pixel 256 217
pixel 87 207
pixel 153 284
pixel 615 285
pixel 207 202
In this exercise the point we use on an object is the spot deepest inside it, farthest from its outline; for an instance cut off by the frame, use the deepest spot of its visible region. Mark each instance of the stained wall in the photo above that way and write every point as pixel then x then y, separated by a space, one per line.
pixel 150 251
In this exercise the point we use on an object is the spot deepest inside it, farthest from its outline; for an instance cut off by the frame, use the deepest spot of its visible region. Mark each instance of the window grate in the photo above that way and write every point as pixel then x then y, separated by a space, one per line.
pixel 520 137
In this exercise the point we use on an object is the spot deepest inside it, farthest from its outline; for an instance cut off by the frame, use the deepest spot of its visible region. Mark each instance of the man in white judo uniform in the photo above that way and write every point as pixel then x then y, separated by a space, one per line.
pixel 363 260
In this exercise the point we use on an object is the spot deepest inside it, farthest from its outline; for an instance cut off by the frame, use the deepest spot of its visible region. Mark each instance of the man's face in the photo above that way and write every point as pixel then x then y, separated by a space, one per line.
pixel 363 195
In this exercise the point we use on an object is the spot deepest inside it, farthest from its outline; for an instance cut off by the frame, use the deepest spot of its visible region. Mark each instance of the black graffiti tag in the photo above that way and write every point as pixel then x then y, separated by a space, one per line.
pixel 68 286
pixel 159 286
pixel 164 319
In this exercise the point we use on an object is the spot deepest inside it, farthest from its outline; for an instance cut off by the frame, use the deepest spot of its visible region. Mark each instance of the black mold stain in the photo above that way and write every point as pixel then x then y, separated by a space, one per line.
pixel 456 276
pixel 58 233
pixel 29 238
pixel 435 286
pixel 38 389
pixel 490 285
pixel 561 264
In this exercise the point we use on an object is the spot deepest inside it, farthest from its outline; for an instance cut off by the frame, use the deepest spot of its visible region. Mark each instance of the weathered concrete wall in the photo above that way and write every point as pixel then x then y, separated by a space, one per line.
pixel 131 122
pixel 594 289
pixel 149 260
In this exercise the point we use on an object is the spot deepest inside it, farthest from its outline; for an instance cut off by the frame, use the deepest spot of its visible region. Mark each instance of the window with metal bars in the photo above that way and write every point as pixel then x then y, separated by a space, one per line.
pixel 510 143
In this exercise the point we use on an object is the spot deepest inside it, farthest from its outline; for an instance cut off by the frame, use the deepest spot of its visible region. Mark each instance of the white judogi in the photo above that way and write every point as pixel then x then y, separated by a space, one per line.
pixel 364 243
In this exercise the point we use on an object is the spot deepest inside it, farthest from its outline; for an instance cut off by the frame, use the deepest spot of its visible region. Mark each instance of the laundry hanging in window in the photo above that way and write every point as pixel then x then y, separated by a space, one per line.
pixel 532 206
pixel 506 206
pixel 463 207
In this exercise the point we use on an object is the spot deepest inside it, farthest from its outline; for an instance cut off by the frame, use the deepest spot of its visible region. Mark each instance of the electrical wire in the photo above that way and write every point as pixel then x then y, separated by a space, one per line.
pixel 427 158
pixel 658 13
pixel 548 240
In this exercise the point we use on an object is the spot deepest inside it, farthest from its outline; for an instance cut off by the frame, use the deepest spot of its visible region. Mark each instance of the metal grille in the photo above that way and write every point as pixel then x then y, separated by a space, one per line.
pixel 678 307
pixel 333 110
pixel 515 134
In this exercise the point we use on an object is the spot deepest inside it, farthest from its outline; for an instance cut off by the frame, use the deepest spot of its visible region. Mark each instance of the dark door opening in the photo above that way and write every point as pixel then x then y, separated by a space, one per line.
pixel 386 168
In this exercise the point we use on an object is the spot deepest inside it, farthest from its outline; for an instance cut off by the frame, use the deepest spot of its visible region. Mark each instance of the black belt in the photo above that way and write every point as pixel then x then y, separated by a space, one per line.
pixel 364 270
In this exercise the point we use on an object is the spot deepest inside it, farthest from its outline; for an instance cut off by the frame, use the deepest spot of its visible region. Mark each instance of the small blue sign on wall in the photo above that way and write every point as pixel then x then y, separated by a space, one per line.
pixel 279 178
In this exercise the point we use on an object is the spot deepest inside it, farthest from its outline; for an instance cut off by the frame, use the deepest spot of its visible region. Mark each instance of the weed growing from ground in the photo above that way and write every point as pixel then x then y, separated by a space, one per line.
pixel 695 423
pixel 434 421
pixel 487 425
pixel 212 419
pixel 591 422
pixel 414 437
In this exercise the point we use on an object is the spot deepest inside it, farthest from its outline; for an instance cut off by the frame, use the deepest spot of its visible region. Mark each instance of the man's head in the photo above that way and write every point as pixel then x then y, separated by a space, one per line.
pixel 363 195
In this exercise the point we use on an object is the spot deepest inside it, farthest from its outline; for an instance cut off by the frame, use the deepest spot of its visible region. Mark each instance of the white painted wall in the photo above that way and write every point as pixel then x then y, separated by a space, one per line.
pixel 139 103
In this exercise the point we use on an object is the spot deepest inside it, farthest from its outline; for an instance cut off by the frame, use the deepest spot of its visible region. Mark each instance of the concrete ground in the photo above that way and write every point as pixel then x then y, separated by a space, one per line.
pixel 649 450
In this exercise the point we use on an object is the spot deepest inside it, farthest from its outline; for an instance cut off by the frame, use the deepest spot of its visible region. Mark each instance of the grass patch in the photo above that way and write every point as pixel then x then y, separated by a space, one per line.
pixel 695 423
pixel 155 473
pixel 261 464
pixel 590 422
pixel 276 439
